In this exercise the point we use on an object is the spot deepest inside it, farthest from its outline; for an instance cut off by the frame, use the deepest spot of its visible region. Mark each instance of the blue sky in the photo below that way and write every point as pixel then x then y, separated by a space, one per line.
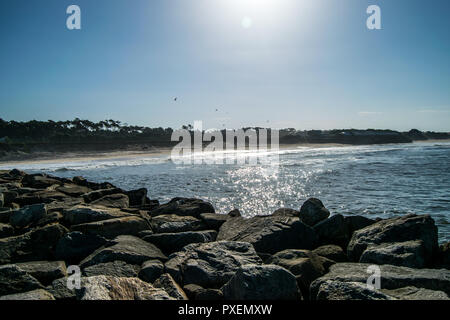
pixel 307 64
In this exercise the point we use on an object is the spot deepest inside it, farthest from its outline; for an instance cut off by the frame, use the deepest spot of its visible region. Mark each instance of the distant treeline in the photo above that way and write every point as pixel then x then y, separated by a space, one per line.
pixel 110 134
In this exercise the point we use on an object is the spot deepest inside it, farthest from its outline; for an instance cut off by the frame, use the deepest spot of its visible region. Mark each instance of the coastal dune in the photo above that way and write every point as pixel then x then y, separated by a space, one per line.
pixel 127 246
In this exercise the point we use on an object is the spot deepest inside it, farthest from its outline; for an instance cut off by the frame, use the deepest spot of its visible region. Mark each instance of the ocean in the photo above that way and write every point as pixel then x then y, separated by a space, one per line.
pixel 373 181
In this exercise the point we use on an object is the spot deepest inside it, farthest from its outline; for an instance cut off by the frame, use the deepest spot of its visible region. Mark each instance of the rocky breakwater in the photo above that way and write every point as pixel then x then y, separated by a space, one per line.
pixel 129 247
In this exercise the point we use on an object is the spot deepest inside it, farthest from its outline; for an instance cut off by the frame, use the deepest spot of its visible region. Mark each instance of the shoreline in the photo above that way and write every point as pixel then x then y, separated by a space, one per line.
pixel 63 157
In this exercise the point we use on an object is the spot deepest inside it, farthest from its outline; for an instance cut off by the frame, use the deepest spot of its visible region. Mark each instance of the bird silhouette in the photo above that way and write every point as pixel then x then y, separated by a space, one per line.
pixel 175 99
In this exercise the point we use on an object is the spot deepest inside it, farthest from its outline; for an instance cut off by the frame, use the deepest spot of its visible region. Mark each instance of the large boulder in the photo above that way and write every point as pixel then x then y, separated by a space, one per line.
pixel 137 197
pixel 332 252
pixel 184 207
pixel 115 269
pixel 35 295
pixel 23 217
pixel 73 190
pixel 44 271
pixel 168 284
pixel 60 290
pixel 129 249
pixel 15 280
pixel 392 277
pixel 212 264
pixel 313 211
pixel 332 231
pixel 151 270
pixel 304 264
pixel 118 200
pixel 119 288
pixel 169 223
pixel 355 222
pixel 261 282
pixel 97 194
pixel 341 290
pixel 171 242
pixel 269 234
pixel 34 245
pixel 75 246
pixel 399 229
pixel 111 228
pixel 413 293
pixel 85 214
pixel 39 181
pixel 406 254
pixel 443 257
pixel 213 221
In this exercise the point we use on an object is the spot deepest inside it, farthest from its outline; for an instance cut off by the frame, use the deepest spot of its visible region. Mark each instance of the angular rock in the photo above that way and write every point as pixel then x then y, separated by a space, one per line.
pixel 184 207
pixel 262 282
pixel 443 257
pixel 192 290
pixel 111 228
pixel 213 221
pixel 84 214
pixel 304 264
pixel 15 280
pixel 354 223
pixel 151 270
pixel 209 295
pixel 35 245
pixel 172 242
pixel 173 223
pixel 269 234
pixel 97 194
pixel 75 246
pixel 137 197
pixel 39 181
pixel 332 252
pixel 115 269
pixel 60 290
pixel 44 271
pixel 413 293
pixel 399 229
pixel 287 212
pixel 25 216
pixel 113 201
pixel 332 231
pixel 313 211
pixel 392 277
pixel 168 284
pixel 211 264
pixel 73 190
pixel 119 288
pixel 405 254
pixel 129 249
pixel 6 230
pixel 339 290
pixel 35 295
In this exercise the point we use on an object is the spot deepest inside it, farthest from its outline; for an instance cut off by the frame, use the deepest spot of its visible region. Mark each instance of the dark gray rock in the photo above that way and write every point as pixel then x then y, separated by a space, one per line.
pixel 313 211
pixel 354 223
pixel 405 254
pixel 192 290
pixel 212 264
pixel 34 245
pixel 304 264
pixel 23 217
pixel 269 234
pixel 129 249
pixel 209 295
pixel 168 284
pixel 137 197
pixel 111 228
pixel 44 271
pixel 75 246
pixel 83 214
pixel 170 223
pixel 413 293
pixel 443 256
pixel 151 270
pixel 73 190
pixel 339 290
pixel 15 280
pixel 262 282
pixel 332 252
pixel 97 194
pixel 113 201
pixel 184 207
pixel 35 295
pixel 392 277
pixel 172 242
pixel 115 269
pixel 213 221
pixel 287 212
pixel 59 289
pixel 332 231
pixel 6 230
pixel 400 229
